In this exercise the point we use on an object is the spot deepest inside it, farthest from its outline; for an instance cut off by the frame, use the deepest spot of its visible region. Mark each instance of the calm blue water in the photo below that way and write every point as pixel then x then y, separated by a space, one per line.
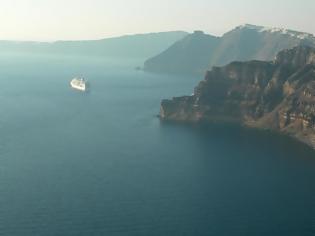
pixel 102 163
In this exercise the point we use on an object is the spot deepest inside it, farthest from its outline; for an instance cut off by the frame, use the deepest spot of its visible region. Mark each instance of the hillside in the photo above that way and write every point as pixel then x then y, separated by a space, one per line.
pixel 277 95
pixel 140 45
pixel 246 42
pixel 178 58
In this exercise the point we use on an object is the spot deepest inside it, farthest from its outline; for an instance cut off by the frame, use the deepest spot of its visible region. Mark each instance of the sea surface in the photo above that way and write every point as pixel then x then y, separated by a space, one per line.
pixel 102 163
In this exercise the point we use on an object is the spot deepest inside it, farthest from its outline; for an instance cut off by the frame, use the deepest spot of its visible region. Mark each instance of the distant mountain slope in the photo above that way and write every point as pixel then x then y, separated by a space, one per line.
pixel 246 42
pixel 189 55
pixel 140 45
pixel 249 42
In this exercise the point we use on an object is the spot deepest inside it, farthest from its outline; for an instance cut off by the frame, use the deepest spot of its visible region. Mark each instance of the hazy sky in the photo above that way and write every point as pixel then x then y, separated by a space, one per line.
pixel 49 20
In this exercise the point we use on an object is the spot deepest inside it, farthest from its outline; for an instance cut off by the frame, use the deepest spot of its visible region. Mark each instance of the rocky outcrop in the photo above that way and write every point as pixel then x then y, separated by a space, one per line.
pixel 178 58
pixel 198 52
pixel 277 95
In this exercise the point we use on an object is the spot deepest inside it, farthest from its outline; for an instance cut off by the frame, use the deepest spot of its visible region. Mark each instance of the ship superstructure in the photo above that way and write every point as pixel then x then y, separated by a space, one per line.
pixel 78 83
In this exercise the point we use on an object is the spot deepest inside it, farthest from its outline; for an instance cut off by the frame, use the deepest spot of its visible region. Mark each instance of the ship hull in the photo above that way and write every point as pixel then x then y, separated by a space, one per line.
pixel 81 87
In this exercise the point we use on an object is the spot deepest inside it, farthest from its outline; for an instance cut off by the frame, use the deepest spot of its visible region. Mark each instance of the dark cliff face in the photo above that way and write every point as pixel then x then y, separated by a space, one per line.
pixel 278 95
pixel 199 52
pixel 296 58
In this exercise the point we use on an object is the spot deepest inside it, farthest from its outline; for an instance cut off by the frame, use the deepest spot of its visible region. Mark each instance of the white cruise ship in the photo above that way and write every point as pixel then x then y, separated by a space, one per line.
pixel 79 84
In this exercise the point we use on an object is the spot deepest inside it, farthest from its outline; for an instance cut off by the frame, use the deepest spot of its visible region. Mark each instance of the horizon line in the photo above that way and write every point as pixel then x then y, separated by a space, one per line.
pixel 146 33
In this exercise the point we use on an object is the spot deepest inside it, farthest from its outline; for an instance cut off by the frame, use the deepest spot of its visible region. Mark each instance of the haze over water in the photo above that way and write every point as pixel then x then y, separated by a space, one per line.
pixel 102 163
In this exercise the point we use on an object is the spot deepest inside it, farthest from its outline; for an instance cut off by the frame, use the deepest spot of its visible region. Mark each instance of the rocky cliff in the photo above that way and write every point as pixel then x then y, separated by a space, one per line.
pixel 189 55
pixel 198 52
pixel 277 95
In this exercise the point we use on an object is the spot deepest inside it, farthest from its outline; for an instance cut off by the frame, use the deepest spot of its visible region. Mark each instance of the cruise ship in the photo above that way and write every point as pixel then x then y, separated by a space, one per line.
pixel 79 84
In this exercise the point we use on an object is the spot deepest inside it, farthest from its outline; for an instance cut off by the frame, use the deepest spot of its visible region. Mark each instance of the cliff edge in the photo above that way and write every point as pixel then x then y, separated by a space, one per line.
pixel 277 95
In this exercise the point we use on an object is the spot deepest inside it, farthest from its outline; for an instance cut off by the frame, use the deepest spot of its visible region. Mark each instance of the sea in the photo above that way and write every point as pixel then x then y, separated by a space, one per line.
pixel 102 163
